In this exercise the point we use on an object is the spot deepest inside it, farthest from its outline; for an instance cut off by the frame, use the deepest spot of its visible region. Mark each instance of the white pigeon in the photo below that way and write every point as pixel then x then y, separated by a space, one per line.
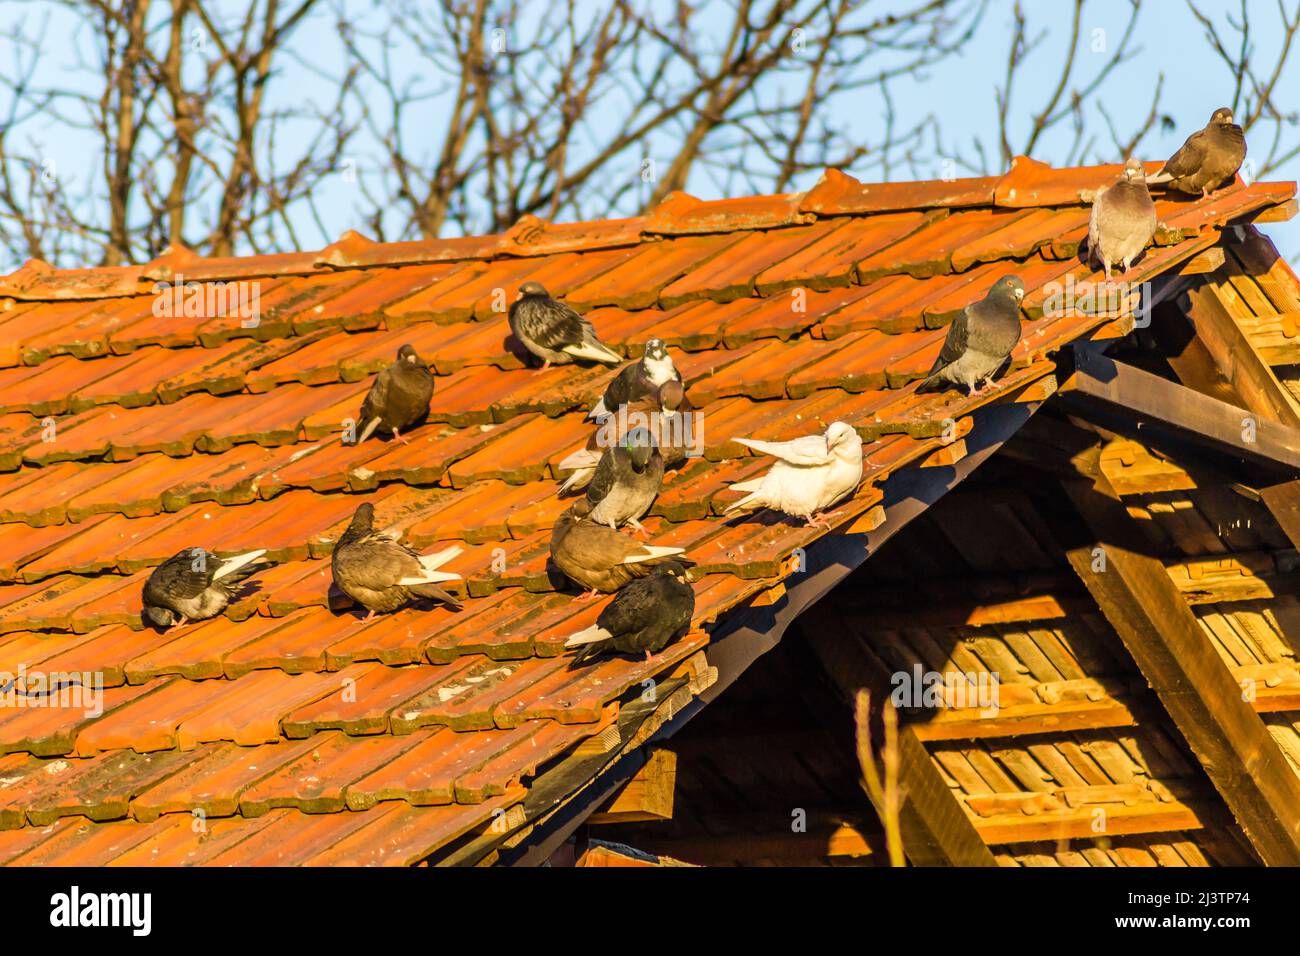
pixel 811 474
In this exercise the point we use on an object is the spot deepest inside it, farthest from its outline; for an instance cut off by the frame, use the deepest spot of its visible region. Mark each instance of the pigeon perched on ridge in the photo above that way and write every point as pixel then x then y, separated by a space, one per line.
pixel 643 617
pixel 1123 220
pixel 810 475
pixel 398 398
pixel 667 416
pixel 381 574
pixel 640 379
pixel 596 557
pixel 554 332
pixel 194 585
pixel 1208 160
pixel 980 339
pixel 626 481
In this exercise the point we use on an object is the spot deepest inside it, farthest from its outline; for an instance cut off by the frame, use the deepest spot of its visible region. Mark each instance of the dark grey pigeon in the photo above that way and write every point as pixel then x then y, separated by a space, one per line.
pixel 399 397
pixel 643 618
pixel 979 340
pixel 554 332
pixel 1123 220
pixel 641 379
pixel 194 585
pixel 1208 160
pixel 626 481
pixel 381 574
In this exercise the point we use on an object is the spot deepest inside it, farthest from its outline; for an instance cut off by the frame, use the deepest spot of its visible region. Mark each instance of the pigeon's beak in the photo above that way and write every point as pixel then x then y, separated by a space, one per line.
pixel 1020 294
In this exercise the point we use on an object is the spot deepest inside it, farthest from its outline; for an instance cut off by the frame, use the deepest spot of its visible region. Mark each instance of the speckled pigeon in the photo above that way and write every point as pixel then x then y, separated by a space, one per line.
pixel 638 380
pixel 554 332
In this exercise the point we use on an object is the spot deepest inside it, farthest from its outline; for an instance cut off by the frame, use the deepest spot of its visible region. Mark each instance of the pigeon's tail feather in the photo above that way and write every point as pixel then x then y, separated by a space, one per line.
pixel 748 503
pixel 932 383
pixel 428 589
pixel 240 566
pixel 754 484
pixel 429 577
pixel 431 562
pixel 589 636
pixel 652 553
pixel 368 430
pixel 1160 177
pixel 583 465
pixel 592 352
pixel 598 411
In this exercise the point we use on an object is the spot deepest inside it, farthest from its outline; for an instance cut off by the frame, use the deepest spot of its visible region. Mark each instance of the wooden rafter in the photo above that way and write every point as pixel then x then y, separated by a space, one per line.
pixel 1178 659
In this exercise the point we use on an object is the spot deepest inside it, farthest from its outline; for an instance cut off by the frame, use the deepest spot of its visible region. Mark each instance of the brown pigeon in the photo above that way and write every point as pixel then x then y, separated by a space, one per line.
pixel 399 397
pixel 1123 220
pixel 382 574
pixel 1208 160
pixel 597 557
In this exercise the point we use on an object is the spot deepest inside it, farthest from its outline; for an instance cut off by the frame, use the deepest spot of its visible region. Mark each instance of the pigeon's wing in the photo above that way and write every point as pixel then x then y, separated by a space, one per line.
pixel 1190 156
pixel 604 478
pixel 377 398
pixel 632 609
pixel 808 450
pixel 376 563
pixel 956 341
pixel 182 576
pixel 556 325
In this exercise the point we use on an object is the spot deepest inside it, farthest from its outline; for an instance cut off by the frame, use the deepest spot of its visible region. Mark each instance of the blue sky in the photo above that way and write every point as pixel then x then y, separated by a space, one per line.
pixel 959 92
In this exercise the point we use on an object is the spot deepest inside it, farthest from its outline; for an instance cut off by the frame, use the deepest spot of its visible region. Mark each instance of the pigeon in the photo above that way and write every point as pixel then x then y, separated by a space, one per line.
pixel 554 332
pixel 1208 160
pixel 1123 220
pixel 380 573
pixel 979 340
pixel 643 617
pixel 399 397
pixel 811 474
pixel 626 481
pixel 598 558
pixel 668 417
pixel 194 585
pixel 638 380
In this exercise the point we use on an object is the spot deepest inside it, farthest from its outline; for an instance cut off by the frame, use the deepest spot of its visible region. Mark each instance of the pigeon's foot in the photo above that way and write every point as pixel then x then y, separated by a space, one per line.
pixel 545 365
pixel 638 529
pixel 586 595
pixel 648 657
pixel 181 623
pixel 367 618
pixel 398 437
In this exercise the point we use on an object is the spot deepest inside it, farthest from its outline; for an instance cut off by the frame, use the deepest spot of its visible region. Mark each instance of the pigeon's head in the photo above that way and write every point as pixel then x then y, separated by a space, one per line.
pixel 675 570
pixel 671 395
pixel 838 433
pixel 533 288
pixel 1222 117
pixel 1009 287
pixel 655 350
pixel 363 519
pixel 161 616
pixel 1133 171
pixel 407 353
pixel 640 444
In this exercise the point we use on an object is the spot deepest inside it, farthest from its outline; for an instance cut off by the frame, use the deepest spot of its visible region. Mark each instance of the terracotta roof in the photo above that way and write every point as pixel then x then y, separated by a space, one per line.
pixel 306 736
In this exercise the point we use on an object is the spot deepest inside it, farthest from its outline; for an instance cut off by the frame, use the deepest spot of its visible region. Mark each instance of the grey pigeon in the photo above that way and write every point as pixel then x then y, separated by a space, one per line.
pixel 1208 160
pixel 626 481
pixel 399 397
pixel 640 379
pixel 381 574
pixel 667 415
pixel 598 558
pixel 811 473
pixel 979 340
pixel 1123 220
pixel 554 332
pixel 194 585
pixel 642 618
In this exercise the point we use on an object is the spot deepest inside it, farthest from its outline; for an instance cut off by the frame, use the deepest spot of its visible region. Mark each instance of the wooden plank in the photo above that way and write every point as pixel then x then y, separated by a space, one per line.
pixel 647 796
pixel 1180 662
pixel 936 828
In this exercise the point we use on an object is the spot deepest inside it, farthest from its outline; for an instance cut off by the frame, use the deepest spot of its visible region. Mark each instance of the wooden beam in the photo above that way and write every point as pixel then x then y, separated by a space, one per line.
pixel 1181 664
pixel 648 796
pixel 1161 412
pixel 936 828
